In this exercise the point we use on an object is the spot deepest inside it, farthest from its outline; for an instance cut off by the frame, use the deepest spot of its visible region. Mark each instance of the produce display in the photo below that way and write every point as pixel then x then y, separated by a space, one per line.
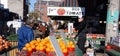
pixel 4 43
pixel 44 47
pixel 12 37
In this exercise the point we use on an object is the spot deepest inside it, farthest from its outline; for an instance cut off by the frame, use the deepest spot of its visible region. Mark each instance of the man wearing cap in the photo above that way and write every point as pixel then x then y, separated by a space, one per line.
pixel 25 33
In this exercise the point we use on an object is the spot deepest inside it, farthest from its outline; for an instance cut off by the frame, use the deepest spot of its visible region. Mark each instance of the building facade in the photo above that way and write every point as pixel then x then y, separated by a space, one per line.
pixel 17 6
pixel 41 6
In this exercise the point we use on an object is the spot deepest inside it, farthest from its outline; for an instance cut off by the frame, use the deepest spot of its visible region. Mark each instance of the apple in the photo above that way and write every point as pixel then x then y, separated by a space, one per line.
pixel 108 47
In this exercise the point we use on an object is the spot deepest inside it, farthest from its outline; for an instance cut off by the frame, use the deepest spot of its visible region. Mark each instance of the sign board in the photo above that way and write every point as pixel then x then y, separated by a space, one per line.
pixel 56 46
pixel 15 24
pixel 64 11
pixel 70 28
pixel 63 36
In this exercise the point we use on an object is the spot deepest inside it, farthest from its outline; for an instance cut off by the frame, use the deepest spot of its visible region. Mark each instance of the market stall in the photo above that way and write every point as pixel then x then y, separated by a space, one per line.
pixel 6 46
pixel 113 48
pixel 51 45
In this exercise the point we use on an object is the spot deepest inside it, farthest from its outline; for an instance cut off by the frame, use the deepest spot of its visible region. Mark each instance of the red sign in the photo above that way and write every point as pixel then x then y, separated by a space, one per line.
pixel 61 11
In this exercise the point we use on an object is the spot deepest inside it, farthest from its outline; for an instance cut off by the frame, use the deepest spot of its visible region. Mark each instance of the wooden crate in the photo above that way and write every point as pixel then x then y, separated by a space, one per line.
pixel 13 51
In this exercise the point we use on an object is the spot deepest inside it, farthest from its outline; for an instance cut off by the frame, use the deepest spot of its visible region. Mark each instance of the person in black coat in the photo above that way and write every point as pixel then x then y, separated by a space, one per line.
pixel 81 27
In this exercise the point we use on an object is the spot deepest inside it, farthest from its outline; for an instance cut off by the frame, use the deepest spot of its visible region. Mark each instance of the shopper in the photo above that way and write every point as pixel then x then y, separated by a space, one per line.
pixel 81 27
pixel 11 30
pixel 25 33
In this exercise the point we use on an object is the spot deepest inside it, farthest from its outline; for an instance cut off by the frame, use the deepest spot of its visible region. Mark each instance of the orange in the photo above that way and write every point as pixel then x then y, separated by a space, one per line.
pixel 24 48
pixel 38 40
pixel 29 49
pixel 69 46
pixel 71 43
pixel 51 46
pixel 47 49
pixel 73 46
pixel 65 50
pixel 27 45
pixel 52 50
pixel 32 43
pixel 41 48
pixel 44 47
pixel 63 47
pixel 33 46
pixel 37 48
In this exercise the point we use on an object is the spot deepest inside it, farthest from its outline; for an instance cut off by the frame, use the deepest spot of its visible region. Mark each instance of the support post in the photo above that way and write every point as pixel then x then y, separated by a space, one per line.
pixel 112 20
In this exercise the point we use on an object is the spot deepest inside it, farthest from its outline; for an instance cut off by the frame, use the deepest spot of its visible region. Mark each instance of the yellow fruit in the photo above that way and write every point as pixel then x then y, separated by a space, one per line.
pixel 29 49
pixel 47 49
pixel 24 48
pixel 27 45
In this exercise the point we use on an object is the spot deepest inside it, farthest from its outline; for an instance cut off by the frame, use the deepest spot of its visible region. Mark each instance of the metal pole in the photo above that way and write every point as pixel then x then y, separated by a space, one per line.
pixel 112 20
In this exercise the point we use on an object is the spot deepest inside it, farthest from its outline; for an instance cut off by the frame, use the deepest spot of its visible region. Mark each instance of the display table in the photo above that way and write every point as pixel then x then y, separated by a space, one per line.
pixel 6 51
pixel 114 51
pixel 14 41
pixel 78 52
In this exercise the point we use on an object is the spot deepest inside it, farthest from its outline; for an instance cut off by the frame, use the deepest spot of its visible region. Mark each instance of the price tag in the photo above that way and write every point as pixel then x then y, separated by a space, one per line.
pixel 56 46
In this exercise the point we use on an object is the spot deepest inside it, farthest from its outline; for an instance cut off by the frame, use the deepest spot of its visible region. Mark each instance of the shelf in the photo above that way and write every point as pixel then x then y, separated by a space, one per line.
pixel 114 47
pixel 6 50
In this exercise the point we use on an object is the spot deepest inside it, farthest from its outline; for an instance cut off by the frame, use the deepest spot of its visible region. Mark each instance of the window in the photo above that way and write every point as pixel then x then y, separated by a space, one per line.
pixel 41 9
pixel 43 2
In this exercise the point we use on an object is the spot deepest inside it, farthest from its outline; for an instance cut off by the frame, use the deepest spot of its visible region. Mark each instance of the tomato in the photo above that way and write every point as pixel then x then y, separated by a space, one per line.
pixel 61 11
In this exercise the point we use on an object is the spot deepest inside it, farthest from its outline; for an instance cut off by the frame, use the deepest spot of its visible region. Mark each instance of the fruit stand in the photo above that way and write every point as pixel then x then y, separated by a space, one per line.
pixel 95 39
pixel 51 46
pixel 113 48
pixel 5 52
pixel 6 46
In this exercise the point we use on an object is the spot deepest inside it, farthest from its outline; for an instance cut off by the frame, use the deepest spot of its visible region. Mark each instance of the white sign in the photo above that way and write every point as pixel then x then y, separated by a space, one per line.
pixel 64 11
pixel 15 24
pixel 70 27
pixel 5 3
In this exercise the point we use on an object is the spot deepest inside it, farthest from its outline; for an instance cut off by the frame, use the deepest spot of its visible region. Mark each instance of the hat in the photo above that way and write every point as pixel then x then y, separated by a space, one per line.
pixel 30 21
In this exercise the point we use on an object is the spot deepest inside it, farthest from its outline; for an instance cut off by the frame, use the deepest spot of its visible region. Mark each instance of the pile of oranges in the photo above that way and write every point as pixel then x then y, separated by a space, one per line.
pixel 67 48
pixel 45 45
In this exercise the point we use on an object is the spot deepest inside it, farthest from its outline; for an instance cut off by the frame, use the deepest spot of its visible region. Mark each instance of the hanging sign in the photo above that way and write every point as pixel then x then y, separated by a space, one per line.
pixel 64 11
